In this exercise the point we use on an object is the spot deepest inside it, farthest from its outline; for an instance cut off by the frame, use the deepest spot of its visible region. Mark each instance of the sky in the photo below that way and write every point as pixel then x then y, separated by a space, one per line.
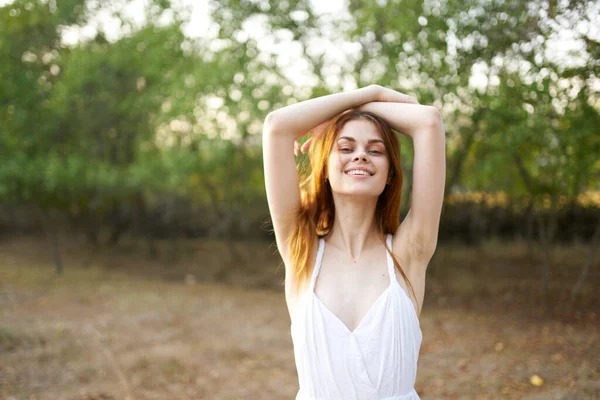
pixel 561 46
pixel 199 25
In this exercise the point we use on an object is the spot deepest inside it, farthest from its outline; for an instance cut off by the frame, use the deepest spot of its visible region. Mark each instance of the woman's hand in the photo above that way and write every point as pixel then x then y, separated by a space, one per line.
pixel 389 95
pixel 301 148
pixel 317 130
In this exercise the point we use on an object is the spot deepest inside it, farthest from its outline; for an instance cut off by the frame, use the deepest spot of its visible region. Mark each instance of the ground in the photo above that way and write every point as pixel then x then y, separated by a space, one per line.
pixel 117 325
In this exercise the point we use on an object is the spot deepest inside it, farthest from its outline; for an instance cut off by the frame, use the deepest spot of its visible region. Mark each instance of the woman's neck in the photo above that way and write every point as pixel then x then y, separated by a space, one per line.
pixel 354 229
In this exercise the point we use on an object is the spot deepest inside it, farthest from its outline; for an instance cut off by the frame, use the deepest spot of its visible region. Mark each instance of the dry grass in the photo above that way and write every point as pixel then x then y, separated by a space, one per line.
pixel 117 325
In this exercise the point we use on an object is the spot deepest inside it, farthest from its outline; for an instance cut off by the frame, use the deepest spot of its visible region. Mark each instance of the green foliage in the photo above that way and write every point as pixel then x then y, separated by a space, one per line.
pixel 84 129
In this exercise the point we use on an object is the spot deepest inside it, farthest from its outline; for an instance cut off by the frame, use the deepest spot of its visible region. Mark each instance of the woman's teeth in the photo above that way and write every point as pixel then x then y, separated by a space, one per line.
pixel 358 173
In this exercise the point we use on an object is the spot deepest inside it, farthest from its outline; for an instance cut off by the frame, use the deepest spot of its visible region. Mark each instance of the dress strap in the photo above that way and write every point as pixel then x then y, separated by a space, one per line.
pixel 317 267
pixel 390 261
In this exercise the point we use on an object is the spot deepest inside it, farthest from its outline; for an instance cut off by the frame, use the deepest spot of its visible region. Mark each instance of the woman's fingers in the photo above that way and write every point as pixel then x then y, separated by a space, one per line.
pixel 398 97
pixel 317 130
pixel 386 94
pixel 306 145
pixel 301 147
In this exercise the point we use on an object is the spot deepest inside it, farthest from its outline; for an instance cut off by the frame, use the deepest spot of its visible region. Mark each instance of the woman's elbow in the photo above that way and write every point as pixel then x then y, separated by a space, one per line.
pixel 271 123
pixel 433 118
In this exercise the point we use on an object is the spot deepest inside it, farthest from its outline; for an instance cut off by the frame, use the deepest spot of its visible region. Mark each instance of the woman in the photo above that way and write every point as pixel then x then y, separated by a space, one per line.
pixel 355 329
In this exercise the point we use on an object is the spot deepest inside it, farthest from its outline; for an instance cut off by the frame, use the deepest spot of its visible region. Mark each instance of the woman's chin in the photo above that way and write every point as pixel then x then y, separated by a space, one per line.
pixel 360 190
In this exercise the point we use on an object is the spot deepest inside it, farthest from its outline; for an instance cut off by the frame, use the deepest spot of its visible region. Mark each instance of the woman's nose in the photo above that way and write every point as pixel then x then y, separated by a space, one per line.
pixel 361 156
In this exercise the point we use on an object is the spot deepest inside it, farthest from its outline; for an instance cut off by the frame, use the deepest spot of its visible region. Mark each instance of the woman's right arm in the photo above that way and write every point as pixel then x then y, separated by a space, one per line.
pixel 281 128
pixel 297 119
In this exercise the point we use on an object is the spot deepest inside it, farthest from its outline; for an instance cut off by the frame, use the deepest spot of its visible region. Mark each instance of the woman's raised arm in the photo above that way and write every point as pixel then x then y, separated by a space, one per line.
pixel 426 128
pixel 282 127
pixel 409 119
pixel 295 120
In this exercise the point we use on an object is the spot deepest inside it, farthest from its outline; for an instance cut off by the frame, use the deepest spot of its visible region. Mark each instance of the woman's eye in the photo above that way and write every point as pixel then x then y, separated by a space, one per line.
pixel 347 149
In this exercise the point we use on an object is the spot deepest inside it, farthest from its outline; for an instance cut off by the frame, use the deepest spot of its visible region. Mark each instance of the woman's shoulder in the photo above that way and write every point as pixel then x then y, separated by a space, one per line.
pixel 290 265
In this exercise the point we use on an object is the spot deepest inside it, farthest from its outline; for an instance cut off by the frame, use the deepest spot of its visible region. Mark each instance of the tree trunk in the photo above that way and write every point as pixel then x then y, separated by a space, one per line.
pixel 52 235
pixel 594 244
pixel 547 233
pixel 545 264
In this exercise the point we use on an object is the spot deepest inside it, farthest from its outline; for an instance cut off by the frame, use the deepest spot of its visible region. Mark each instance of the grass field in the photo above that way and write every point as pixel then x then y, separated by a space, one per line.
pixel 118 325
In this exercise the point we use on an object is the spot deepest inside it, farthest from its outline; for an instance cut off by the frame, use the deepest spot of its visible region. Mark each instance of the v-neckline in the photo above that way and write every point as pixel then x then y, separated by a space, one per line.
pixel 363 319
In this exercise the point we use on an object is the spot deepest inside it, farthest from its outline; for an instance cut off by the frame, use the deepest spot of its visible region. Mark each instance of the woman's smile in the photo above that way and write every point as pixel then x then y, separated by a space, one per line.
pixel 363 175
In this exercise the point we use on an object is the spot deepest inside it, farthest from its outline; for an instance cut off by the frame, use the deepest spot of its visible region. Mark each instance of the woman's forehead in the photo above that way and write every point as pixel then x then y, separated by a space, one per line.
pixel 359 130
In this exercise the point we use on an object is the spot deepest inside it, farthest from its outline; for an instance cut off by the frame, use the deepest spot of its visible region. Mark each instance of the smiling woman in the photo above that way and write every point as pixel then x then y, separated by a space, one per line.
pixel 360 152
pixel 356 331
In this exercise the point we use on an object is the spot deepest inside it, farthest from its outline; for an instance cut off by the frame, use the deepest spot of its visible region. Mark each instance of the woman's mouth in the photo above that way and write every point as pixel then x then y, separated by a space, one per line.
pixel 359 174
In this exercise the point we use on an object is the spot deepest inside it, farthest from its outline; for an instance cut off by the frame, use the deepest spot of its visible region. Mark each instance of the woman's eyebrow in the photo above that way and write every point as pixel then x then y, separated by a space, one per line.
pixel 368 141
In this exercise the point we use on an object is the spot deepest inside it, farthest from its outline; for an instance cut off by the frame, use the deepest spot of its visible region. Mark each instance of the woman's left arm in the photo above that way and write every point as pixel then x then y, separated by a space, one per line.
pixel 425 126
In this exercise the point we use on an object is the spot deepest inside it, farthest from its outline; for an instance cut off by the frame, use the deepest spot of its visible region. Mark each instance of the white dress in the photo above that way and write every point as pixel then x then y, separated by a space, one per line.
pixel 376 361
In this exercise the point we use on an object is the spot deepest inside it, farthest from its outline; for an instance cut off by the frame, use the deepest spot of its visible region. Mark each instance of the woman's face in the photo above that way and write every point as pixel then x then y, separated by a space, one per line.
pixel 358 146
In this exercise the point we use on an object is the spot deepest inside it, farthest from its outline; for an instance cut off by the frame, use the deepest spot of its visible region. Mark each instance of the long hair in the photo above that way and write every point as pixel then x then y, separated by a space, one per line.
pixel 316 213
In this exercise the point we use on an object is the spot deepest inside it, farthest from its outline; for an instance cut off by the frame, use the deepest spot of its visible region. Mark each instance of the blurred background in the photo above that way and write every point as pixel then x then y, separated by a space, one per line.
pixel 136 256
